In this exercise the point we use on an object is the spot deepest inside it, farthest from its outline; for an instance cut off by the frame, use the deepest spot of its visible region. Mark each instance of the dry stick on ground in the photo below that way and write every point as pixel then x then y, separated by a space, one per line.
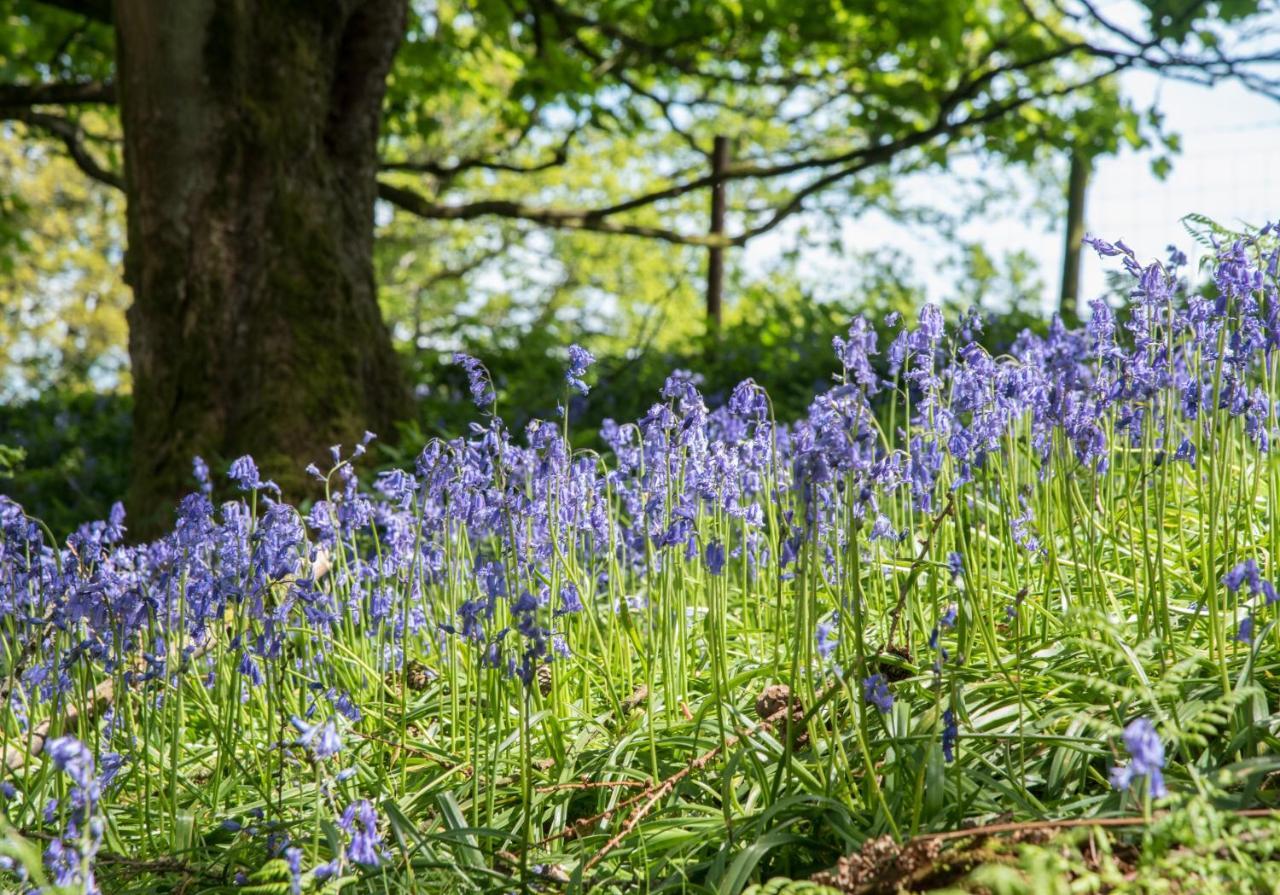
pixel 1135 820
pixel 914 571
pixel 653 796
pixel 593 784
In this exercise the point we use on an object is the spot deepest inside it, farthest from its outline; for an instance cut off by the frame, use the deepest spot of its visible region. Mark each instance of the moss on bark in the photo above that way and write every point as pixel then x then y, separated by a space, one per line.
pixel 255 326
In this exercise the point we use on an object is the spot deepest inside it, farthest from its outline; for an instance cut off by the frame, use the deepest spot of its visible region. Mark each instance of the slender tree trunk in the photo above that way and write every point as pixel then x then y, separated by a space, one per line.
pixel 250 157
pixel 1077 188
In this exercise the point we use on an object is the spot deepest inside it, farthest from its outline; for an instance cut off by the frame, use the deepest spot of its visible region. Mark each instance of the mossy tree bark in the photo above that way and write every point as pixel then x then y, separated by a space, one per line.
pixel 251 135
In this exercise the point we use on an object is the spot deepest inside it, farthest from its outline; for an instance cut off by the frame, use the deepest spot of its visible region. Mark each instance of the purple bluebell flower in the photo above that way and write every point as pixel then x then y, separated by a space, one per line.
pixel 950 733
pixel 580 359
pixel 1102 247
pixel 293 859
pixel 244 472
pixel 478 381
pixel 876 692
pixel 70 857
pixel 323 739
pixel 1146 759
pixel 360 822
pixel 947 621
pixel 570 600
pixel 200 470
pixel 1242 573
pixel 1186 452
pixel 715 557
pixel 1245 632
pixel 827 642
pixel 855 353
pixel 73 758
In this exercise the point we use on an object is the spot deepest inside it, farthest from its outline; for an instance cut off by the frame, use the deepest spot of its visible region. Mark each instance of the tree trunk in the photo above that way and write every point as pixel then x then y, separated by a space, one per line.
pixel 251 158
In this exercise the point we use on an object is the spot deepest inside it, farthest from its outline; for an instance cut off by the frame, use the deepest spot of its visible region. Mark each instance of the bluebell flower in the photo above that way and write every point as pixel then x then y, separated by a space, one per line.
pixel 570 600
pixel 749 400
pixel 1245 633
pixel 360 822
pixel 855 353
pixel 323 739
pixel 715 557
pixel 293 858
pixel 200 470
pixel 1146 759
pixel 70 857
pixel 827 642
pixel 478 382
pixel 876 692
pixel 73 758
pixel 1186 452
pixel 946 622
pixel 580 360
pixel 1248 573
pixel 244 472
pixel 950 733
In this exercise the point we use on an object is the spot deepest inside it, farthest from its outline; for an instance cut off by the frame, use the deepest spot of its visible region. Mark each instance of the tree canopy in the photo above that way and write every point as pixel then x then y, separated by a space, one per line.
pixel 490 102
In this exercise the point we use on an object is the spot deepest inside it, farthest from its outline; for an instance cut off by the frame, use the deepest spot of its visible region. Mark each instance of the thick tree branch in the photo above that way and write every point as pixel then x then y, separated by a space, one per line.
pixel 445 171
pixel 72 138
pixel 97 10
pixel 57 94
pixel 592 221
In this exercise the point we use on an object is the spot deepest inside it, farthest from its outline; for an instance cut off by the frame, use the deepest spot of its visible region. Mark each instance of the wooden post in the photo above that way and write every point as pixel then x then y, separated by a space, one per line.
pixel 1077 187
pixel 715 255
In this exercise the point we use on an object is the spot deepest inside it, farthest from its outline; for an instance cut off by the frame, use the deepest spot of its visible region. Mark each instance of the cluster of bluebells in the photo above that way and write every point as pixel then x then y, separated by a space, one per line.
pixel 504 549
pixel 69 856
pixel 1246 578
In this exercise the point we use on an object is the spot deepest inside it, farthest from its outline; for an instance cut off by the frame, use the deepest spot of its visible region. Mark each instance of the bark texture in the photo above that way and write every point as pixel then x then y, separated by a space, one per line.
pixel 251 132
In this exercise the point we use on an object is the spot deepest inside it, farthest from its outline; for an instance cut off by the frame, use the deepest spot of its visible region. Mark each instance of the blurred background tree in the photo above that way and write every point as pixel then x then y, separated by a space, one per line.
pixel 543 171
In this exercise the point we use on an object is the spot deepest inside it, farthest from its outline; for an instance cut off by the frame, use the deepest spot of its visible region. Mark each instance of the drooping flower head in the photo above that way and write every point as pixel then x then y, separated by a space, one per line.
pixel 827 641
pixel 244 472
pixel 876 692
pixel 580 359
pixel 1146 759
pixel 950 733
pixel 360 822
pixel 478 381
pixel 323 739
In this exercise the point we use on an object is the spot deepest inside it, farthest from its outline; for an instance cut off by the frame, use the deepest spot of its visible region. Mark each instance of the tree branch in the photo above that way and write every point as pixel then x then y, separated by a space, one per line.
pixel 57 93
pixel 592 221
pixel 446 171
pixel 72 138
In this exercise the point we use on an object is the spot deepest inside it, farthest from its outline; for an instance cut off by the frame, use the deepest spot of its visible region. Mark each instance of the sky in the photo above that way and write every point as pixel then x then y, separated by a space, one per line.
pixel 1229 170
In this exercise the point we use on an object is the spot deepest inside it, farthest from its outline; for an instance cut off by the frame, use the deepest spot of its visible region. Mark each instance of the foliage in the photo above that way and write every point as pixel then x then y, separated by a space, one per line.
pixel 968 587
pixel 74 452
pixel 503 117
pixel 776 333
pixel 62 301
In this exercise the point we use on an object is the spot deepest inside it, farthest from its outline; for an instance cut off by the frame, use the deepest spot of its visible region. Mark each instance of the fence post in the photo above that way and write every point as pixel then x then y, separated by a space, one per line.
pixel 1077 187
pixel 715 255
